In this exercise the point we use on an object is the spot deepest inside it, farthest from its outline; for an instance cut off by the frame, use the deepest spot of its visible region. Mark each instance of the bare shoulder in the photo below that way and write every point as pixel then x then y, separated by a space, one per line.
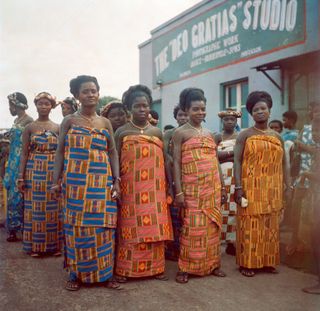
pixel 243 135
pixel 155 131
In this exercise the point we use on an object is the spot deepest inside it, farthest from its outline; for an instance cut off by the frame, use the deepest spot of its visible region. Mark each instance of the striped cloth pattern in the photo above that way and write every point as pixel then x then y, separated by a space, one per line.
pixel 262 182
pixel 144 217
pixel 90 216
pixel 42 231
pixel 200 236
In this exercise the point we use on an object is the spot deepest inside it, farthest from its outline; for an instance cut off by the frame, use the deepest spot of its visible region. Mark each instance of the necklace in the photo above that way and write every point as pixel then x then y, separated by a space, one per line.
pixel 140 128
pixel 262 131
pixel 87 118
pixel 194 128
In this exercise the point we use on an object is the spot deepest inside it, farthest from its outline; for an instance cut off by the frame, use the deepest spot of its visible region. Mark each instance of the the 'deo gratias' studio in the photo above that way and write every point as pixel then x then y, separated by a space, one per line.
pixel 232 47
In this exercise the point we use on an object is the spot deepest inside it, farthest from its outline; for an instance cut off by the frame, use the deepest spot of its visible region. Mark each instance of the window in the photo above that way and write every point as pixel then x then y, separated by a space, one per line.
pixel 234 96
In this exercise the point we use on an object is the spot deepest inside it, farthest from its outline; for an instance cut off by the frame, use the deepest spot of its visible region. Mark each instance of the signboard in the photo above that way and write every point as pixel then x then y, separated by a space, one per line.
pixel 229 32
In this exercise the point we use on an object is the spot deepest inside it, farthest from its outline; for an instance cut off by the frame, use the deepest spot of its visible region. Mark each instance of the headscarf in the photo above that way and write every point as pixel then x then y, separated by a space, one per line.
pixel 48 96
pixel 230 112
pixel 258 96
pixel 72 102
pixel 18 99
pixel 113 104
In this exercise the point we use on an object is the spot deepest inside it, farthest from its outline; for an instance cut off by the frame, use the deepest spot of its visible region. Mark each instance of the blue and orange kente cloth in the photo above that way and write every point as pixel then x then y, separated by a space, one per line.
pixel 262 183
pixel 144 218
pixel 90 216
pixel 200 236
pixel 42 231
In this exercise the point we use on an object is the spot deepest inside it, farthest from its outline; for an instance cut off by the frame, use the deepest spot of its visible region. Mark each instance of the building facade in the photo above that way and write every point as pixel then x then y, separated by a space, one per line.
pixel 229 48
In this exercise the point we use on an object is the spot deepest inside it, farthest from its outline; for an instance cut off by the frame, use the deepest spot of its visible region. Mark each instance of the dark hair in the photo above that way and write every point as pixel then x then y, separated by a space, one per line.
pixel 72 102
pixel 136 91
pixel 189 95
pixel 75 83
pixel 258 96
pixel 176 110
pixel 105 111
pixel 291 115
pixel 277 121
pixel 168 127
pixel 19 100
pixel 154 114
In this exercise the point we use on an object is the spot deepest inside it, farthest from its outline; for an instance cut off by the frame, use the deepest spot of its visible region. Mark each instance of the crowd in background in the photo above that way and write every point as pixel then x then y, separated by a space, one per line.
pixel 117 196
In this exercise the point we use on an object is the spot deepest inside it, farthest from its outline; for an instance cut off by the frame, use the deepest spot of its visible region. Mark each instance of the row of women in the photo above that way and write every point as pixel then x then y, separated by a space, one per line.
pixel 91 188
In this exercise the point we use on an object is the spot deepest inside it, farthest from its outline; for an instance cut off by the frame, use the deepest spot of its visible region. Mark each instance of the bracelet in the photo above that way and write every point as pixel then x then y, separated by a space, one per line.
pixel 223 188
pixel 237 187
pixel 116 179
pixel 20 179
pixel 180 193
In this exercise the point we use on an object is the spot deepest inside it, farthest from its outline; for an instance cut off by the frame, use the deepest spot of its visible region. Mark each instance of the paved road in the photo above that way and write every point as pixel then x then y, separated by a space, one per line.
pixel 37 284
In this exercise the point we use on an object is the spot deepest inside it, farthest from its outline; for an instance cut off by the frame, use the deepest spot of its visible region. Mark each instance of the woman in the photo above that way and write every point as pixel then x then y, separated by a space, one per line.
pixel 172 248
pixel 117 114
pixel 144 217
pixel 199 190
pixel 17 106
pixel 225 155
pixel 42 230
pixel 91 179
pixel 259 164
pixel 69 106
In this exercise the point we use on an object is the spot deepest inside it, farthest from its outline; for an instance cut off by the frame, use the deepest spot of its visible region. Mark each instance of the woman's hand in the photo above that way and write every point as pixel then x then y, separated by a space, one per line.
pixel 224 196
pixel 179 200
pixel 56 190
pixel 238 194
pixel 116 191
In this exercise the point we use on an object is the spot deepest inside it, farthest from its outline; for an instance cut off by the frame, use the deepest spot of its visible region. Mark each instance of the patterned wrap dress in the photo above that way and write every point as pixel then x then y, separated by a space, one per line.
pixel 144 217
pixel 90 215
pixel 42 232
pixel 262 183
pixel 201 229
pixel 14 196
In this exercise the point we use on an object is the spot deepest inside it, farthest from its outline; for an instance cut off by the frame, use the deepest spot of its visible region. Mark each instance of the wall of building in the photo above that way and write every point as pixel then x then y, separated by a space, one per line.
pixel 212 80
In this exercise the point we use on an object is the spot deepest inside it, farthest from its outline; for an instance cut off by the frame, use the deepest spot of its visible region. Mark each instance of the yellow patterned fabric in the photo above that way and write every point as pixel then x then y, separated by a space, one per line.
pixel 200 236
pixel 144 218
pixel 262 182
pixel 262 175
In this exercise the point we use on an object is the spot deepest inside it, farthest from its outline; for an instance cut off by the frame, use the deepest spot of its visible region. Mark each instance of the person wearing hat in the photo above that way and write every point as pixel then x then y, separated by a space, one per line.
pixel 42 229
pixel 225 155
pixel 260 170
pixel 17 105
pixel 69 106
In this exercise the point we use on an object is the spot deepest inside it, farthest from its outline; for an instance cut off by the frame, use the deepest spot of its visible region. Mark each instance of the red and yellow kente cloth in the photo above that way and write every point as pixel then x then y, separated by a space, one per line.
pixel 144 217
pixel 262 182
pixel 200 236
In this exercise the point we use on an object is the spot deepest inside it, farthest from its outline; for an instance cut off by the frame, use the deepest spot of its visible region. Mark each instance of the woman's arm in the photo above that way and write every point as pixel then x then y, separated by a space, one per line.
pixel 24 156
pixel 237 165
pixel 177 142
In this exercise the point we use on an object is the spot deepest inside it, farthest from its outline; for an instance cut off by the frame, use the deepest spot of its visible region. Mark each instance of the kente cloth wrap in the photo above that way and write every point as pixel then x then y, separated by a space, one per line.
pixel 89 253
pixel 42 231
pixel 200 236
pixel 229 209
pixel 88 179
pixel 262 182
pixel 14 196
pixel 144 217
pixel 90 216
pixel 262 175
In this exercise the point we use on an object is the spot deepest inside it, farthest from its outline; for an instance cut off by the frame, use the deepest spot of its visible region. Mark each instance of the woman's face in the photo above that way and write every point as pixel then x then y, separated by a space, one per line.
pixel 182 117
pixel 140 109
pixel 66 109
pixel 117 117
pixel 229 123
pixel 43 106
pixel 197 111
pixel 88 94
pixel 12 109
pixel 260 112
